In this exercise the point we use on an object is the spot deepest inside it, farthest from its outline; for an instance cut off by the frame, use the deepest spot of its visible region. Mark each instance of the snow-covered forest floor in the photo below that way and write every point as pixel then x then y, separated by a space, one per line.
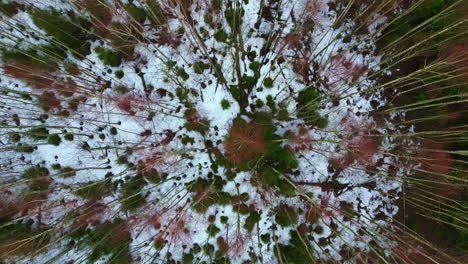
pixel 229 131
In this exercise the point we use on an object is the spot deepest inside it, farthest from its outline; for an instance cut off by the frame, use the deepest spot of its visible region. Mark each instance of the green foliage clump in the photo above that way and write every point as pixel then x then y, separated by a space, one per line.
pixel 15 137
pixel 224 198
pixel 113 131
pixel 156 14
pixel 109 57
pixel 298 251
pixel 212 230
pixel 265 238
pixel 225 104
pixel 69 137
pixel 216 5
pixel 136 13
pixel 187 140
pixel 182 73
pixel 271 103
pixel 54 140
pixel 268 82
pixel 283 115
pixel 199 67
pixel 234 18
pixel 224 219
pixel 255 66
pixel 37 178
pixel 132 197
pixel 24 236
pixel 9 9
pixel 195 122
pixel 32 58
pixel 69 32
pixel 221 35
pixel 208 192
pixel 67 172
pixel 71 68
pixel 251 220
pixel 119 74
pixel 182 94
pixel 188 258
pixel 38 133
pixel 94 190
pixel 109 238
pixel 308 105
pixel 286 216
pixel 122 160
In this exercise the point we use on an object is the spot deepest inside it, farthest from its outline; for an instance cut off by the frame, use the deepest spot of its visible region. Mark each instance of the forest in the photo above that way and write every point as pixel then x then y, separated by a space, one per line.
pixel 234 131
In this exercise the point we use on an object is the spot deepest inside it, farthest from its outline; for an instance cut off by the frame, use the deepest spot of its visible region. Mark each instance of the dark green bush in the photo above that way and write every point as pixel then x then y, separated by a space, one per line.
pixel 9 9
pixel 265 238
pixel 199 67
pixel 182 73
pixel 94 190
pixel 268 82
pixel 100 237
pixel 109 57
pixel 54 140
pixel 38 178
pixel 221 35
pixel 69 137
pixel 225 104
pixel 308 102
pixel 216 5
pixel 224 198
pixel 234 18
pixel 212 230
pixel 26 238
pixel 38 133
pixel 297 252
pixel 156 14
pixel 255 66
pixel 251 220
pixel 224 219
pixel 119 74
pixel 137 13
pixel 132 197
pixel 286 216
pixel 15 137
pixel 67 31
pixel 113 131
pixel 67 172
